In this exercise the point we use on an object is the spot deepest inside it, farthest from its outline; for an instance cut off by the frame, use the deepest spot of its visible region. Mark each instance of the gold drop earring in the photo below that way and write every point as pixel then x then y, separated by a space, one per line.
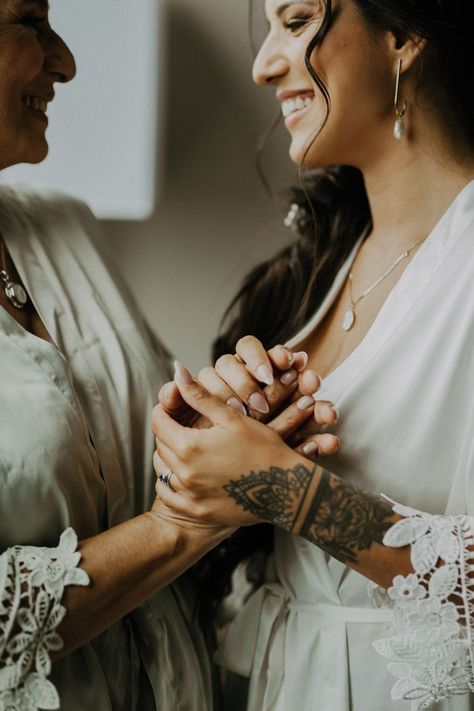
pixel 399 127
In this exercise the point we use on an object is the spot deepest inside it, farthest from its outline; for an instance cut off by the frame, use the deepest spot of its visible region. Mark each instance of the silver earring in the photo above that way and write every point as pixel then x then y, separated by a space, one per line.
pixel 399 127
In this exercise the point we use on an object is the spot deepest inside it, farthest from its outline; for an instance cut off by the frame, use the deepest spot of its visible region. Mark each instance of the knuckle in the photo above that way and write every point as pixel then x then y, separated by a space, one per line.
pixel 188 479
pixel 186 449
pixel 289 416
pixel 245 342
pixel 275 395
pixel 205 374
pixel 224 361
pixel 200 394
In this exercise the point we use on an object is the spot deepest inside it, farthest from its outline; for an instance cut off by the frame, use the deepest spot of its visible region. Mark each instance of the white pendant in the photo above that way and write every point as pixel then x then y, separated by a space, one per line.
pixel 399 129
pixel 349 320
pixel 16 294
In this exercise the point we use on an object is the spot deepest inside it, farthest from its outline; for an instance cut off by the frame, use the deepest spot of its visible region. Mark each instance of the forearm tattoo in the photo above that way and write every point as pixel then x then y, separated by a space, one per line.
pixel 317 505
pixel 275 495
pixel 344 521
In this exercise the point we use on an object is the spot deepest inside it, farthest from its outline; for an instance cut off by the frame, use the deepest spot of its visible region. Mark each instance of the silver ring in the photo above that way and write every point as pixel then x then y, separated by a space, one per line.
pixel 165 478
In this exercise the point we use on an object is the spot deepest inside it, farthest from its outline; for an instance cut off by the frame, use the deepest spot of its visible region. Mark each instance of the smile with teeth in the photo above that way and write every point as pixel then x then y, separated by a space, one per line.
pixel 35 102
pixel 290 106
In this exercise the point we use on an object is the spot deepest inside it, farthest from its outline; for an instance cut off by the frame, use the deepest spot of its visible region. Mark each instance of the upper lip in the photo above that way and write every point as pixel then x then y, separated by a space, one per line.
pixel 285 95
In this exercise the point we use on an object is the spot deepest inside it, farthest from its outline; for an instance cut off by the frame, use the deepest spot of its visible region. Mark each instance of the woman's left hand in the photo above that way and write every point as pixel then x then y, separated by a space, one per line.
pixel 208 466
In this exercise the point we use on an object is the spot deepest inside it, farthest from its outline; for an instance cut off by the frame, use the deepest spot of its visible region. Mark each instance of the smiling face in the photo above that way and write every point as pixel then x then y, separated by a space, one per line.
pixel 357 69
pixel 32 59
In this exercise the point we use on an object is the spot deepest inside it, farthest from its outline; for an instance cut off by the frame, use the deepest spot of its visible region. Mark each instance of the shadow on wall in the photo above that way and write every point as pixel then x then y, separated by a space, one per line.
pixel 215 113
pixel 213 220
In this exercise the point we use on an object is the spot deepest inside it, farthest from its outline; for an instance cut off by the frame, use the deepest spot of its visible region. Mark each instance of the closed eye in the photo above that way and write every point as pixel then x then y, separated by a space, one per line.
pixel 296 24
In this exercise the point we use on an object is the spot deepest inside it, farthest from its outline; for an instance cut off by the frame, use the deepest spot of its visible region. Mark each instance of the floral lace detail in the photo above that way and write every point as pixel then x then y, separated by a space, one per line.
pixel 431 653
pixel 32 582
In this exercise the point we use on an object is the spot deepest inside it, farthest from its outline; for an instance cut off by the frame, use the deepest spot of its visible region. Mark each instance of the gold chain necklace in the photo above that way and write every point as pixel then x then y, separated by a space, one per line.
pixel 14 292
pixel 349 316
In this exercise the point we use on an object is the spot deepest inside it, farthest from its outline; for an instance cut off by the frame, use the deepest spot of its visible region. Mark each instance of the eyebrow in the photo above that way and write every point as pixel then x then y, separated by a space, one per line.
pixel 281 9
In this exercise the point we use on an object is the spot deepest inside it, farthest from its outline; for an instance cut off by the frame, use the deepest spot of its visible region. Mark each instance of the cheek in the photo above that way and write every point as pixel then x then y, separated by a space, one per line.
pixel 24 53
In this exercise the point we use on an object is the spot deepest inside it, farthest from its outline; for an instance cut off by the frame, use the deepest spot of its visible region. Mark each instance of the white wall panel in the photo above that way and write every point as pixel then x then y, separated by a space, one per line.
pixel 104 125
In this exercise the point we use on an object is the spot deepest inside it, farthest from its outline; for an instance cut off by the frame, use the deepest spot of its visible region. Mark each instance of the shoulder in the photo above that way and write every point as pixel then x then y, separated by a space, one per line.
pixel 43 207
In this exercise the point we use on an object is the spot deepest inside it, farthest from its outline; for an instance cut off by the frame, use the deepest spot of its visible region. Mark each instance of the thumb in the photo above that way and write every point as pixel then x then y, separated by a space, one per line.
pixel 197 397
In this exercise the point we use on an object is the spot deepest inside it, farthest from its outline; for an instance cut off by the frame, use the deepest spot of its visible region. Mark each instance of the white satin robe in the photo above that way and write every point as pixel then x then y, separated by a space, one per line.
pixel 406 401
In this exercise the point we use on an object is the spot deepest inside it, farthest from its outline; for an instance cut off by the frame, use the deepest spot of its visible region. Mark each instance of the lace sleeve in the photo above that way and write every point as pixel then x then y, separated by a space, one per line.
pixel 32 582
pixel 431 653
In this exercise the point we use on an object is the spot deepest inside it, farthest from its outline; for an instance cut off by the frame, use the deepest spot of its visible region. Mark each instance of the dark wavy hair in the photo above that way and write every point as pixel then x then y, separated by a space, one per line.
pixel 292 285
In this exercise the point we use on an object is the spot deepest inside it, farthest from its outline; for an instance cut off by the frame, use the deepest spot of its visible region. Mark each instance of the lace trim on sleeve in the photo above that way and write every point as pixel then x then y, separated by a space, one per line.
pixel 431 653
pixel 32 582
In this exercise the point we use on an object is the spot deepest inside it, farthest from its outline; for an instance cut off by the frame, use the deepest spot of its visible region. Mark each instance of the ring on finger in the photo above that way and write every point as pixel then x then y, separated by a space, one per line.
pixel 165 478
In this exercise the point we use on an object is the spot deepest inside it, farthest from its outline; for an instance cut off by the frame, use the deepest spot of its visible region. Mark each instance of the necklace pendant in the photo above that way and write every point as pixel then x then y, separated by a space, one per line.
pixel 348 320
pixel 15 294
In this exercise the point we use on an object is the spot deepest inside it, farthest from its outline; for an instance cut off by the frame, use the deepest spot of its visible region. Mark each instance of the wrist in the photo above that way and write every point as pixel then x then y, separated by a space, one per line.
pixel 184 537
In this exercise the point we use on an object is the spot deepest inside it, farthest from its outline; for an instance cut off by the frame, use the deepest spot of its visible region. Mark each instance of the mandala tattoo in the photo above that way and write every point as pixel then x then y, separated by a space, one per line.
pixel 275 495
pixel 343 520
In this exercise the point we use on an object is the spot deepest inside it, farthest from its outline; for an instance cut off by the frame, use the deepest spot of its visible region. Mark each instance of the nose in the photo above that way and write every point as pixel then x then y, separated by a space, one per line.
pixel 269 65
pixel 59 61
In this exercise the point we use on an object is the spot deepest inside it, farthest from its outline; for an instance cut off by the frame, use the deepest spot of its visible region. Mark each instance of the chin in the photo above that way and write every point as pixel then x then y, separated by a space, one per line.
pixel 37 154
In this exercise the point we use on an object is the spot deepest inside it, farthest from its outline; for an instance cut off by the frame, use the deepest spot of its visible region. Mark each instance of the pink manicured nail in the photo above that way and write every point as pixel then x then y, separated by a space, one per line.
pixel 310 448
pixel 182 374
pixel 235 404
pixel 264 374
pixel 289 354
pixel 301 361
pixel 289 377
pixel 305 402
pixel 257 402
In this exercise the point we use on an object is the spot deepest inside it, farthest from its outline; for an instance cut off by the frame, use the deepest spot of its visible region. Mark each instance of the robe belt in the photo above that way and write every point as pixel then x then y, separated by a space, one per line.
pixel 254 644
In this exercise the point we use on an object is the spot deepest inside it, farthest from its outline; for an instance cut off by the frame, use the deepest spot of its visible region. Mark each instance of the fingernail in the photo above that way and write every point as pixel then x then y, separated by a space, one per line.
pixel 305 402
pixel 257 402
pixel 336 414
pixel 182 374
pixel 300 360
pixel 316 392
pixel 310 448
pixel 235 404
pixel 290 355
pixel 289 377
pixel 264 374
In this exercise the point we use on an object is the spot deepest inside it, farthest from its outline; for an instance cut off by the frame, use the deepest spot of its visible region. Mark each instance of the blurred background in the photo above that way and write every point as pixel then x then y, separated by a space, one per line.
pixel 160 130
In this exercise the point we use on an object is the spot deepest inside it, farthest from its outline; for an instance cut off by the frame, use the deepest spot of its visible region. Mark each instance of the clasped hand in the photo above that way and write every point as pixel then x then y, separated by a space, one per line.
pixel 205 439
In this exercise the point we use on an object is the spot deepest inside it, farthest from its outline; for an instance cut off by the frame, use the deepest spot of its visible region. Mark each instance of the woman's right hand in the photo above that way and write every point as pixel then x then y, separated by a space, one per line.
pixel 274 387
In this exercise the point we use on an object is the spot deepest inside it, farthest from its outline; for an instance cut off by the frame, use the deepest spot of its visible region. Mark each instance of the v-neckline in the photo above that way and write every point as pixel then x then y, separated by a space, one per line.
pixel 401 298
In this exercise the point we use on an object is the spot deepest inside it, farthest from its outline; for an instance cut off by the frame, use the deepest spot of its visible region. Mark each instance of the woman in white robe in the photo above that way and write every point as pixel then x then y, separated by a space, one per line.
pixel 393 337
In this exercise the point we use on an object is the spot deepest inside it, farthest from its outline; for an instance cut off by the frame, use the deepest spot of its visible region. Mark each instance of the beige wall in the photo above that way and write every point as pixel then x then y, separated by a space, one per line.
pixel 213 219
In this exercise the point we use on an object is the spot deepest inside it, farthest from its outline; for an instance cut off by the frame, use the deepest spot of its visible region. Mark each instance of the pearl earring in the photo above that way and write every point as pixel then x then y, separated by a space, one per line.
pixel 399 127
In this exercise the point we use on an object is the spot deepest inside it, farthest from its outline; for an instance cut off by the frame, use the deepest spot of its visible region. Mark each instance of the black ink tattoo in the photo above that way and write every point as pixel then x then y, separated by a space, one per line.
pixel 275 495
pixel 343 520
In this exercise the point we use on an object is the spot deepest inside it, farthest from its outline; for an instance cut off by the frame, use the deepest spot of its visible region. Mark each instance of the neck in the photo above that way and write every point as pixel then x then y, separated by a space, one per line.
pixel 412 186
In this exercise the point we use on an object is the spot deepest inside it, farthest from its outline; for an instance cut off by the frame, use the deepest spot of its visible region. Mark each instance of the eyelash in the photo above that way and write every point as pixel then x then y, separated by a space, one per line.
pixel 296 23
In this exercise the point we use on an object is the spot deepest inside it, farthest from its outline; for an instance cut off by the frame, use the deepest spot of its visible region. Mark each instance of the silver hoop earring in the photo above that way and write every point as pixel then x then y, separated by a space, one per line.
pixel 399 128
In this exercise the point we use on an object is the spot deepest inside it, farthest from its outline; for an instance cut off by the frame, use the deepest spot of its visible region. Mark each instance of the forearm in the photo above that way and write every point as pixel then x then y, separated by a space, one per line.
pixel 349 524
pixel 126 565
pixel 342 520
